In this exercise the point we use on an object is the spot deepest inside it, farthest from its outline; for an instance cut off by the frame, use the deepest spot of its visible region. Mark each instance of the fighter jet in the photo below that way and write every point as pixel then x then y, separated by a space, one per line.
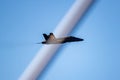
pixel 51 39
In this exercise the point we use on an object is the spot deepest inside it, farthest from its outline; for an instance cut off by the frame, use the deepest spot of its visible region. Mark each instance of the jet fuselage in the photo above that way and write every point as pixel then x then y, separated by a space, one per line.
pixel 62 40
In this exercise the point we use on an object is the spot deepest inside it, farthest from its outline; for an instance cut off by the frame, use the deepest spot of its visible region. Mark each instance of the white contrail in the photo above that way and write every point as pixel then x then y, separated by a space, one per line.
pixel 47 51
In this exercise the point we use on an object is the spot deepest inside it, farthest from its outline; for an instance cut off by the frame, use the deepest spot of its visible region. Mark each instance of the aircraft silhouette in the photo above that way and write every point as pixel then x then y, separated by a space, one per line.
pixel 51 39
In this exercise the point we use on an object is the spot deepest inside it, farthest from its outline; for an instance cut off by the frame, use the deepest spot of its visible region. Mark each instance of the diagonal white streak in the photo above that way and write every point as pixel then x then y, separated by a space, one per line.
pixel 47 51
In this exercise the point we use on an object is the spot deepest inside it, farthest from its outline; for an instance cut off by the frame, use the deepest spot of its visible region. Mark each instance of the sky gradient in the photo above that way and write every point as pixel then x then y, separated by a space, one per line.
pixel 23 22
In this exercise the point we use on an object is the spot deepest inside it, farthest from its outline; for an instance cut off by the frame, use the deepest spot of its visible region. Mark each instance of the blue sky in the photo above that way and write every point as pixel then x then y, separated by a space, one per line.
pixel 22 23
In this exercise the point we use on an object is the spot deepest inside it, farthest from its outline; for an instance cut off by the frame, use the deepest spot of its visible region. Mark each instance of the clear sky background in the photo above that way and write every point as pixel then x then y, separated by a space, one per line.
pixel 22 23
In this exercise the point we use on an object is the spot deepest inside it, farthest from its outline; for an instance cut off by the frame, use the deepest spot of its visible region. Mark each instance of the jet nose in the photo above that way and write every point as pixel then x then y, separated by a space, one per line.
pixel 81 39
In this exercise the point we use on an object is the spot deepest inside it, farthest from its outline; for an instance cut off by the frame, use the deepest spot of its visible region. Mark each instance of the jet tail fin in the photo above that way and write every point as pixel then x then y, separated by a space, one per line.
pixel 45 36
pixel 51 36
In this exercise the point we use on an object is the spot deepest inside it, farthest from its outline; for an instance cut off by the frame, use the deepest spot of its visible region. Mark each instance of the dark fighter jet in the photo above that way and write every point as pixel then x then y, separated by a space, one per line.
pixel 50 39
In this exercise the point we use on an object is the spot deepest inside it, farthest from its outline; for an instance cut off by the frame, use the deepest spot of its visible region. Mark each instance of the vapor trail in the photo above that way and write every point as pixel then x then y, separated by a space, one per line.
pixel 47 51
